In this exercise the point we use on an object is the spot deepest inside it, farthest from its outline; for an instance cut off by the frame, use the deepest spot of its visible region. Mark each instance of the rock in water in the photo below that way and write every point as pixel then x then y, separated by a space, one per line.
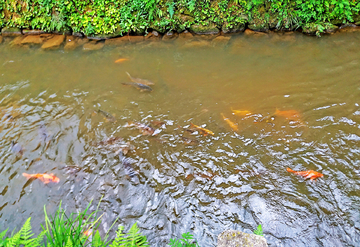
pixel 54 42
pixel 232 238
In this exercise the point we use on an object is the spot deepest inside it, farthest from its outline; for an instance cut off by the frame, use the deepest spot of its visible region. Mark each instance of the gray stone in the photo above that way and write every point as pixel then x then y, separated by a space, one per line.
pixel 32 32
pixel 232 238
pixel 11 31
pixel 226 28
pixel 259 25
pixel 209 28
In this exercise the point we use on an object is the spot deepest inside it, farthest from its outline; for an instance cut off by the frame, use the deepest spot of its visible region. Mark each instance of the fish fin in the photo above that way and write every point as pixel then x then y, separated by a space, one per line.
pixel 28 176
pixel 129 75
pixel 289 170
pixel 192 125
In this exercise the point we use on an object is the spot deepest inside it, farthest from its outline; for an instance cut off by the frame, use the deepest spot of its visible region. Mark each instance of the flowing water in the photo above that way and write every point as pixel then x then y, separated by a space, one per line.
pixel 189 182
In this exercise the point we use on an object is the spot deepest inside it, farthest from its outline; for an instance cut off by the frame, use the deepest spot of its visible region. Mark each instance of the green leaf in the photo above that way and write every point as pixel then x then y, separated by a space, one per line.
pixel 259 231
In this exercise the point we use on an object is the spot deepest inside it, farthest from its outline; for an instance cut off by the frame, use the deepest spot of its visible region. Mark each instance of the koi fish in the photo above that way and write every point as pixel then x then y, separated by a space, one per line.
pixel 307 174
pixel 241 112
pixel 143 128
pixel 46 178
pixel 120 60
pixel 203 131
pixel 139 80
pixel 139 86
pixel 289 114
pixel 108 116
pixel 231 124
pixel 87 233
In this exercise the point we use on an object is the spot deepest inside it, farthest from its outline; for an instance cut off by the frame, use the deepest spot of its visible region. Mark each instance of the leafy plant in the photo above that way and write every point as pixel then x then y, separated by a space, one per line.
pixel 22 237
pixel 259 231
pixel 184 241
pixel 132 239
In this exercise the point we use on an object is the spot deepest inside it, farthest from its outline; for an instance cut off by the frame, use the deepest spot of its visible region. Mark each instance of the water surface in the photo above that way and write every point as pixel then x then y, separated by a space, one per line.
pixel 234 180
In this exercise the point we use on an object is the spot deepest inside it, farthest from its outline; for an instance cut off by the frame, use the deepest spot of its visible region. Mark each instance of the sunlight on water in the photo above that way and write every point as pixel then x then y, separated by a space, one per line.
pixel 295 103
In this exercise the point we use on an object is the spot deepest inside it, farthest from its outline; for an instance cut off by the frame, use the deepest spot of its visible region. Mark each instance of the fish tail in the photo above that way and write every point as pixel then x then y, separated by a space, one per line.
pixel 289 170
pixel 192 125
pixel 28 176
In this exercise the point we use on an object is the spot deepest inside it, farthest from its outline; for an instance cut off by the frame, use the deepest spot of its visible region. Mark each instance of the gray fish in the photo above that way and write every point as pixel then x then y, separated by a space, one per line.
pixel 108 116
pixel 131 174
pixel 139 80
pixel 139 86
pixel 17 148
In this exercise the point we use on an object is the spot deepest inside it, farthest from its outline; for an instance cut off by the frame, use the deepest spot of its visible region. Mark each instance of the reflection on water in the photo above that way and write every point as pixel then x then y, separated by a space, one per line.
pixel 294 103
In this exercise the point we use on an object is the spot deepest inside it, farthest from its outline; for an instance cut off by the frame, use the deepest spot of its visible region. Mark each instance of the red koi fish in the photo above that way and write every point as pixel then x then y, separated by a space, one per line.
pixel 45 178
pixel 307 174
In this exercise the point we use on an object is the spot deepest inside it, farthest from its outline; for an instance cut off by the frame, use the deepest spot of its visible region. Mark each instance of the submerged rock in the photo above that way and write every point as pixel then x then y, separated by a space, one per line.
pixel 220 41
pixel 11 31
pixel 251 32
pixel 153 36
pixel 17 41
pixel 232 238
pixel 32 40
pixel 210 28
pixel 93 46
pixel 196 44
pixel 71 43
pixel 53 42
pixel 117 41
pixel 170 36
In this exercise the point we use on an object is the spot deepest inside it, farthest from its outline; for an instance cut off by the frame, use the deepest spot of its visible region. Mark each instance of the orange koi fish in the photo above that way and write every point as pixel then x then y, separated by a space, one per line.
pixel 231 124
pixel 289 114
pixel 307 174
pixel 87 232
pixel 121 60
pixel 241 113
pixel 203 131
pixel 46 178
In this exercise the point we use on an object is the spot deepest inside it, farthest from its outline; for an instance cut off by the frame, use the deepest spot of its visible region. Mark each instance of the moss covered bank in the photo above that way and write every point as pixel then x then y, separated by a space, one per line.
pixel 110 18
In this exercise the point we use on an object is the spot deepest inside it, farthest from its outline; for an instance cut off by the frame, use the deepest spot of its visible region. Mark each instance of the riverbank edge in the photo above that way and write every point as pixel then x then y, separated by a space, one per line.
pixel 26 39
pixel 313 31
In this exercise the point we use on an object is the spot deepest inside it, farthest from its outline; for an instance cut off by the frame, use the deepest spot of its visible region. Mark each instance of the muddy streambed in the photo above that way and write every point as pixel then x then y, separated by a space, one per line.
pixel 188 181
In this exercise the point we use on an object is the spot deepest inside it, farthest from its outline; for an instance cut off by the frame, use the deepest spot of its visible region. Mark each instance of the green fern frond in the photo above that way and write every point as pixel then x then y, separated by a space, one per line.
pixel 136 238
pixel 259 231
pixel 14 240
pixel 2 234
pixel 96 242
pixel 39 239
pixel 69 243
pixel 26 233
pixel 119 237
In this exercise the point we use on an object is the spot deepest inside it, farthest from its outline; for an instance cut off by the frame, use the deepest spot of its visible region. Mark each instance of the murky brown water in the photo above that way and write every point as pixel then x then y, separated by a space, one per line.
pixel 229 180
